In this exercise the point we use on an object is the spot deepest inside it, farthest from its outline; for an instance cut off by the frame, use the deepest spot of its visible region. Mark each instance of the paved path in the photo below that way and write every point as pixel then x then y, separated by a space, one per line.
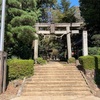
pixel 56 81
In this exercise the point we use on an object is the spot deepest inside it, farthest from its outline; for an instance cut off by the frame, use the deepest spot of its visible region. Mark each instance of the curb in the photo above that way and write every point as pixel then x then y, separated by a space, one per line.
pixel 21 87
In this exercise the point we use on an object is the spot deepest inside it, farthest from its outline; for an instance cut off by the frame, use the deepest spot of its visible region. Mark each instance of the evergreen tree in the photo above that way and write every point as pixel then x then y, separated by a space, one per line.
pixel 91 14
pixel 45 7
pixel 63 12
pixel 21 18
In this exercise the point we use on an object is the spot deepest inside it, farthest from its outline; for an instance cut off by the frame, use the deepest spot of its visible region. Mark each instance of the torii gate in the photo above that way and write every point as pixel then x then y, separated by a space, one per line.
pixel 66 29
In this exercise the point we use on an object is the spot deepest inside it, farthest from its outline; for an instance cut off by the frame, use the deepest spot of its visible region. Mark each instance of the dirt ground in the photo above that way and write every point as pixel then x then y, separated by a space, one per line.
pixel 12 90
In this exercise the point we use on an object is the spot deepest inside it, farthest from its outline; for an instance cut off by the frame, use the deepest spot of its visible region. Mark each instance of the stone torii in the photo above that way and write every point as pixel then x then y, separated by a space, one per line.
pixel 60 29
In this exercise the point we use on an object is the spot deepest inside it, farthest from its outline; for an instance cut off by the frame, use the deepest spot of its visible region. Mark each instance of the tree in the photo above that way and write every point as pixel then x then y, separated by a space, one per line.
pixel 21 17
pixel 91 14
pixel 55 12
pixel 63 12
pixel 96 40
pixel 45 6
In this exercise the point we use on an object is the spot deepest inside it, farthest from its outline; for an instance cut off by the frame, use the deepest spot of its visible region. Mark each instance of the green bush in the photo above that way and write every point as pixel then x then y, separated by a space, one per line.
pixel 94 51
pixel 41 61
pixel 92 62
pixel 88 62
pixel 97 69
pixel 97 78
pixel 97 61
pixel 18 68
pixel 71 60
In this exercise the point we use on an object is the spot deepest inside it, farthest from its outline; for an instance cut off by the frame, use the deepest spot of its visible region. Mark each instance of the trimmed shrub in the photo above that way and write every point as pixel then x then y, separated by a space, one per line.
pixel 41 61
pixel 92 62
pixel 88 62
pixel 97 61
pixel 18 68
pixel 97 69
pixel 71 60
pixel 97 78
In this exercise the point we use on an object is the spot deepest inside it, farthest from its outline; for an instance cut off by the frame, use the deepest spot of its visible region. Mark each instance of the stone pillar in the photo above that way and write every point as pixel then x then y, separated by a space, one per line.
pixel 85 43
pixel 69 43
pixel 36 48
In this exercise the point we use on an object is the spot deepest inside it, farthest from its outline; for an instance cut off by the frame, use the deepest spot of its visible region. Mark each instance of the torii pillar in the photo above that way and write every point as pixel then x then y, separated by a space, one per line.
pixel 36 43
pixel 69 51
pixel 36 48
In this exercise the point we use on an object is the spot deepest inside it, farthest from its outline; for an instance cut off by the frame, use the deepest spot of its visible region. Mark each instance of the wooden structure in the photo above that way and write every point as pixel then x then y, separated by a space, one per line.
pixel 60 29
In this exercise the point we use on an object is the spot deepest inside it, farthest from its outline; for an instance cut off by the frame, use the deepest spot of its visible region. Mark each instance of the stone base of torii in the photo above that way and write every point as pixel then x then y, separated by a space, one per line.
pixel 60 29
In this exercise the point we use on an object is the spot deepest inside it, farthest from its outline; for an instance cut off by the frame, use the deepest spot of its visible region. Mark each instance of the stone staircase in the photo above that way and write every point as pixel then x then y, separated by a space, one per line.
pixel 56 79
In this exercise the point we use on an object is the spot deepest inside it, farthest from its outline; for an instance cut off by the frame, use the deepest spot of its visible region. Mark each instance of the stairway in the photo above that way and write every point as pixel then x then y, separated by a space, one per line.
pixel 56 79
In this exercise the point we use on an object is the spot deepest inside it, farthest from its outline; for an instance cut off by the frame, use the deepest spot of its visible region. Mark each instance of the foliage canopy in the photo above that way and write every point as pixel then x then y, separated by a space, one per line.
pixel 20 20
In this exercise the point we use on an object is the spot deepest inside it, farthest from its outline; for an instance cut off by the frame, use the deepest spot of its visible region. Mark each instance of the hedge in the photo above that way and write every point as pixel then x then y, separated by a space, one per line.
pixel 88 62
pixel 18 68
pixel 71 60
pixel 97 61
pixel 41 61
pixel 91 62
pixel 97 69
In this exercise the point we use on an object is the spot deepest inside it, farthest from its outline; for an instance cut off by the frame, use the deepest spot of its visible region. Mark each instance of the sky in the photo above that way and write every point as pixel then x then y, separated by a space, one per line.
pixel 73 2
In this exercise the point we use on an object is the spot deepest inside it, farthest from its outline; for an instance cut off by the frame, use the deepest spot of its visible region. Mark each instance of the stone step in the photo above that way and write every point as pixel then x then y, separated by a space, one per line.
pixel 56 93
pixel 69 69
pixel 57 71
pixel 56 68
pixel 53 89
pixel 53 73
pixel 56 76
pixel 56 85
pixel 52 77
pixel 56 89
pixel 56 82
pixel 55 79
